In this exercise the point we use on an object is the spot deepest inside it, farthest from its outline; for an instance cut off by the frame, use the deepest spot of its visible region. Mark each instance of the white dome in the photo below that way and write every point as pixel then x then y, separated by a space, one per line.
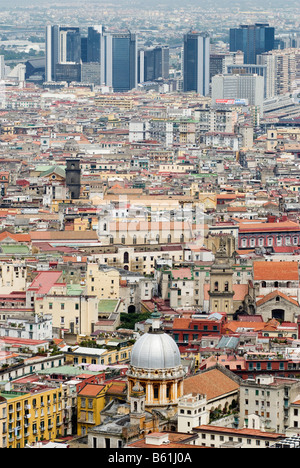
pixel 155 351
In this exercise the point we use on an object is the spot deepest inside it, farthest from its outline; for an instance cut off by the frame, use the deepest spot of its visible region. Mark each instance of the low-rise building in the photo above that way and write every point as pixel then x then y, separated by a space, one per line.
pixel 226 437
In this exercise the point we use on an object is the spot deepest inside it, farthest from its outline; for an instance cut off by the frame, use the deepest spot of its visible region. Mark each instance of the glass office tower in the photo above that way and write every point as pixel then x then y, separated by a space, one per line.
pixel 63 46
pixel 120 70
pixel 153 64
pixel 196 59
pixel 253 40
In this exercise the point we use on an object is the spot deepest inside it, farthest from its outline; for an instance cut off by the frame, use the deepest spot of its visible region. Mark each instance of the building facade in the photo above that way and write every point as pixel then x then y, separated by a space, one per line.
pixel 252 40
pixel 196 60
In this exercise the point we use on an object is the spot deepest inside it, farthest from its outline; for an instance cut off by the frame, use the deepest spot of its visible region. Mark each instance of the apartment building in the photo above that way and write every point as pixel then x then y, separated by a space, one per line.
pixel 90 403
pixel 270 398
pixel 192 412
pixel 140 259
pixel 105 283
pixel 12 277
pixel 281 72
pixel 34 412
pixel 108 355
pixel 225 437
pixel 3 422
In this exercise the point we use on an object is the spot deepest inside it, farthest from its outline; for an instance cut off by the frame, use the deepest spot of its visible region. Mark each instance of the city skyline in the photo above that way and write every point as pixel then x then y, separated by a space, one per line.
pixel 149 227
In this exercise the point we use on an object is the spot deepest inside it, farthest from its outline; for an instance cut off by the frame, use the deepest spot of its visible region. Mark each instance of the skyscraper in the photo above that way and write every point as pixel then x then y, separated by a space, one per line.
pixel 95 34
pixel 63 46
pixel 153 64
pixel 196 57
pixel 119 69
pixel 52 51
pixel 252 39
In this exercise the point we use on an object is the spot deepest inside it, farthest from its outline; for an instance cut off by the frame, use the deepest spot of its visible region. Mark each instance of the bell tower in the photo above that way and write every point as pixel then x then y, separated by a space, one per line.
pixel 221 282
pixel 73 174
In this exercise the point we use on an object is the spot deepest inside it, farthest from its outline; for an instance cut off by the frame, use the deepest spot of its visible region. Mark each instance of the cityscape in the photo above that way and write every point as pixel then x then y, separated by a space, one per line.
pixel 149 226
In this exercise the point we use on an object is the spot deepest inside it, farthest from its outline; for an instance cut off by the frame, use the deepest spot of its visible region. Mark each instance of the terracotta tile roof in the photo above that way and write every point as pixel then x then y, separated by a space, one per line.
pixel 212 383
pixel 181 323
pixel 271 295
pixel 63 235
pixel 269 227
pixel 91 390
pixel 275 271
pixel 243 431
pixel 255 326
pixel 15 237
pixel 176 440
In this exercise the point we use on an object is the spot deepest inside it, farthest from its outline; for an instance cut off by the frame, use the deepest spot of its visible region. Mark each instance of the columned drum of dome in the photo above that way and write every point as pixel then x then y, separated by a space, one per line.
pixel 156 366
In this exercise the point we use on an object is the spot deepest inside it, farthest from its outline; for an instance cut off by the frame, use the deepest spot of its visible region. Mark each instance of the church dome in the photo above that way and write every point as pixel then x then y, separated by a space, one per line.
pixel 155 351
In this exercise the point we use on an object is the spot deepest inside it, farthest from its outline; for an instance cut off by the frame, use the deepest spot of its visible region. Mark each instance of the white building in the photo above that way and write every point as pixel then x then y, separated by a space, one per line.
pixel 192 412
pixel 235 87
pixel 37 328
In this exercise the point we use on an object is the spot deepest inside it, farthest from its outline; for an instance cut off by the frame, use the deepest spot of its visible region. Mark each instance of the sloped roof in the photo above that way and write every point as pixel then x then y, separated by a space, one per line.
pixel 275 271
pixel 212 383
pixel 273 294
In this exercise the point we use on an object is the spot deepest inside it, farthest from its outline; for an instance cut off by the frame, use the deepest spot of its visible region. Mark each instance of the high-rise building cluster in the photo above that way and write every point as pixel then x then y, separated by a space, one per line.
pixel 254 68
pixel 150 239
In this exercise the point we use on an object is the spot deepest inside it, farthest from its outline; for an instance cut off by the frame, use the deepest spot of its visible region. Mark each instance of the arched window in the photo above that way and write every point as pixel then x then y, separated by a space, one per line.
pixel 226 286
pixel 111 240
pixel 123 239
pixel 276 284
pixel 134 240
pixel 216 286
pixel 169 238
pixel 263 284
pixel 126 257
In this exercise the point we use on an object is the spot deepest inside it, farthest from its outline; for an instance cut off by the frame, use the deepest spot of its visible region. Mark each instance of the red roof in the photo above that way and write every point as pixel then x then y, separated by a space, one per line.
pixel 44 281
pixel 275 271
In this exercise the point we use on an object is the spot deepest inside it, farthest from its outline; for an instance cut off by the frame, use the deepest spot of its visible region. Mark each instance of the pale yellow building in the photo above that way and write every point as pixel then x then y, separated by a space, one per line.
pixel 145 232
pixel 109 355
pixel 105 284
pixel 13 277
pixel 71 308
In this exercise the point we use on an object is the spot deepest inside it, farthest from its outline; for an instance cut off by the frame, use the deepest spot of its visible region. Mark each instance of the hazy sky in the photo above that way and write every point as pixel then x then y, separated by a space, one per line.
pixel 243 4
